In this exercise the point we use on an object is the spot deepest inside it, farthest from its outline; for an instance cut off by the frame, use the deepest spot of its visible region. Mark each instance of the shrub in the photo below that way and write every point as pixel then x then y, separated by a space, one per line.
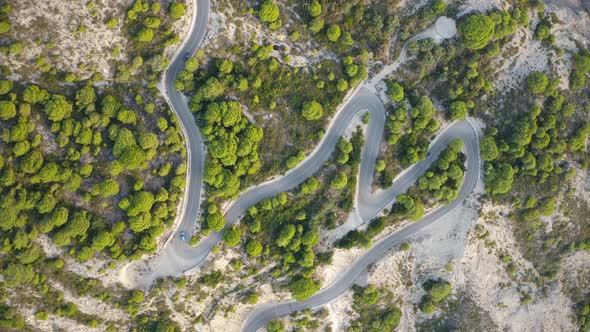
pixel 427 307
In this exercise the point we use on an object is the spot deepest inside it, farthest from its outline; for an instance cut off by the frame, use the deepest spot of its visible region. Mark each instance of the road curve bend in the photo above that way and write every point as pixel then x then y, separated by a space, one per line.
pixel 178 256
pixel 166 262
pixel 370 204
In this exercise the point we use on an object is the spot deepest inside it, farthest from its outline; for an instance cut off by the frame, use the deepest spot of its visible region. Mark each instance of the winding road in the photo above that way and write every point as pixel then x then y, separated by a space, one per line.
pixel 178 257
pixel 261 315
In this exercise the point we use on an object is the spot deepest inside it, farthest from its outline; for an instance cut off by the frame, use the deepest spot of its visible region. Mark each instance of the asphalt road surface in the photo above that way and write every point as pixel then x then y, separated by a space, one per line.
pixel 369 204
pixel 173 259
pixel 177 256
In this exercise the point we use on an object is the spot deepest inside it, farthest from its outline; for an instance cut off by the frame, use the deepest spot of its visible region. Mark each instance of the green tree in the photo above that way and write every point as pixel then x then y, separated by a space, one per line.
pixel 5 86
pixel 498 179
pixel 340 181
pixel 537 82
pixel 127 116
pixel 191 64
pixel 33 94
pixel 476 31
pixel 7 110
pixel 58 108
pixel 333 33
pixel 341 84
pixel 16 48
pixel 16 274
pixel 29 255
pixel 140 202
pixel 215 221
pixel 303 287
pixel 312 110
pixel 489 149
pixel 58 217
pixel 422 113
pixel 31 162
pixel 147 140
pixel 140 223
pixel 226 66
pixel 41 315
pixel 177 10
pixel 108 188
pixel 269 11
pixel 145 35
pixel 132 157
pixel 458 110
pixel 111 23
pixel 427 307
pixel 232 236
pixel 46 204
pixel 309 186
pixel 152 22
pixel 8 218
pixel 578 139
pixel 275 326
pixel 252 298
pixel 439 7
pixel 396 92
pixel 314 9
pixel 286 235
pixel 439 290
pixel 253 248
pixel 316 25
pixel 102 240
pixel 547 206
pixel 85 96
pixel 407 206
pixel 352 70
pixel 211 89
pixel 4 27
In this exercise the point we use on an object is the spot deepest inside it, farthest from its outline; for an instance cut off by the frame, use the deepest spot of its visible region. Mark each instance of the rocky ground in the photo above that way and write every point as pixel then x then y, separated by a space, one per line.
pixel 73 35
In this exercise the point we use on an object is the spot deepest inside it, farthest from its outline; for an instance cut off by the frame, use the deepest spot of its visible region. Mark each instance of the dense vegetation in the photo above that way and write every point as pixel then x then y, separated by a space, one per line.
pixel 255 80
pixel 459 75
pixel 232 139
pixel 375 309
pixel 440 184
pixel 286 229
pixel 90 170
pixel 408 131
